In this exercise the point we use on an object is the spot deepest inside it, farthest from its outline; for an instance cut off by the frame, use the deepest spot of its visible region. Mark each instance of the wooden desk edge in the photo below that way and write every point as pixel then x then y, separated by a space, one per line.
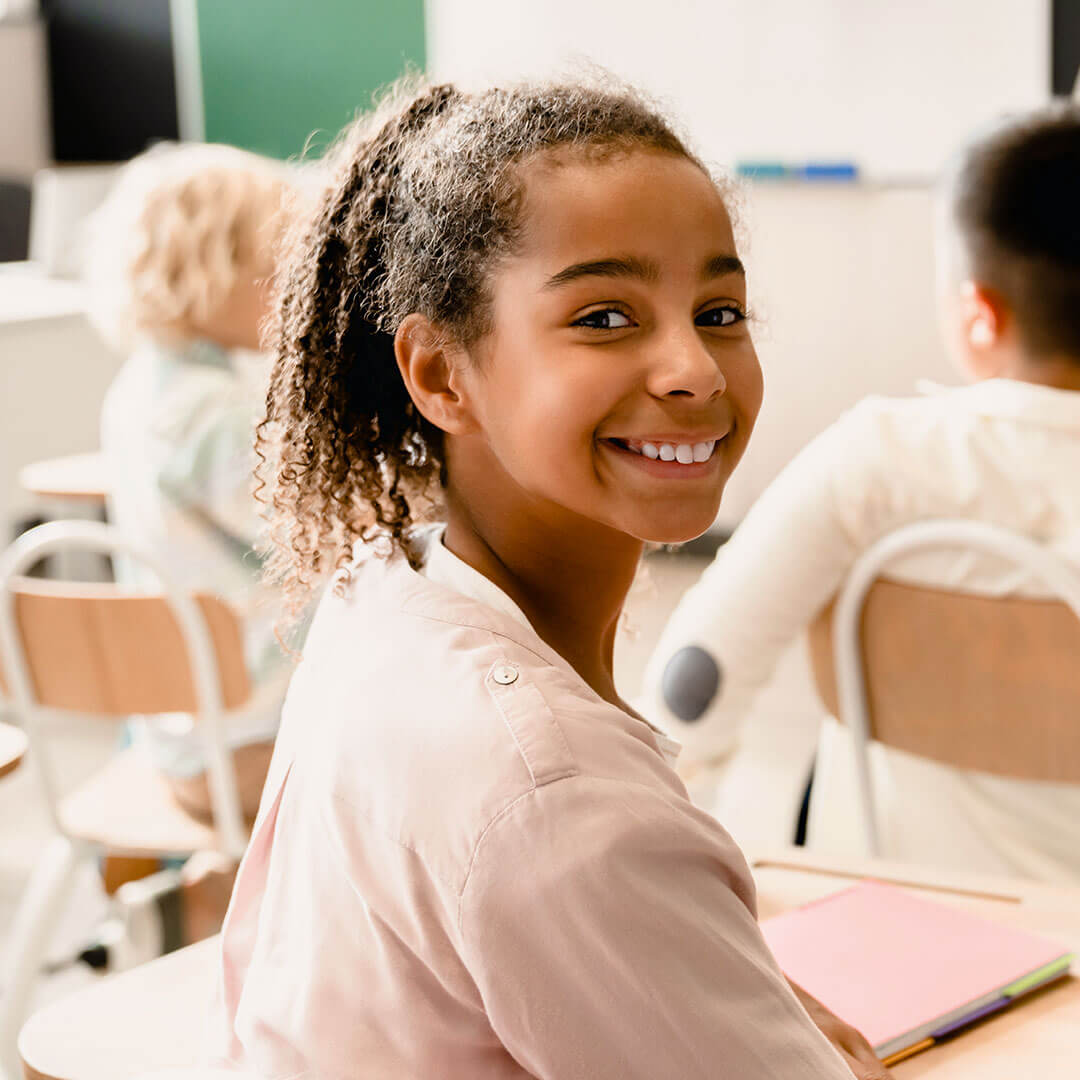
pixel 39 477
pixel 931 879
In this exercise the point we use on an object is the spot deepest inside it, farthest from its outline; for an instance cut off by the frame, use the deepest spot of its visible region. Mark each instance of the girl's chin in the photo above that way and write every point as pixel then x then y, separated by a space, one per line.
pixel 675 531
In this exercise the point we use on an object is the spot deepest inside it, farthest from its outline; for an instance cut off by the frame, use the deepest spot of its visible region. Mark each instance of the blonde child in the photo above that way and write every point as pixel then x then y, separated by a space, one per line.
pixel 1005 450
pixel 472 858
pixel 181 258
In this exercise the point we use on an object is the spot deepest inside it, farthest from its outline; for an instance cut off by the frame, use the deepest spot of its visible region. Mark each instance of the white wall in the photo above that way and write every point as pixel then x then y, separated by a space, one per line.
pixel 841 279
pixel 891 84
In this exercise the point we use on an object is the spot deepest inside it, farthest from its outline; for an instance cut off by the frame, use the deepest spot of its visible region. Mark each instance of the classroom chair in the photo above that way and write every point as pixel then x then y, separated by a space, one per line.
pixel 102 650
pixel 908 666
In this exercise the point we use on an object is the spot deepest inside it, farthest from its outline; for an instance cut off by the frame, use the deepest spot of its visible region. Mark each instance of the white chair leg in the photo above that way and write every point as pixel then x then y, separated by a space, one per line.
pixel 28 939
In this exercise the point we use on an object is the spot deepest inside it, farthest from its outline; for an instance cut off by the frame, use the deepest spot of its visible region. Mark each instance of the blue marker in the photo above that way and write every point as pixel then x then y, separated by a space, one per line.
pixel 830 170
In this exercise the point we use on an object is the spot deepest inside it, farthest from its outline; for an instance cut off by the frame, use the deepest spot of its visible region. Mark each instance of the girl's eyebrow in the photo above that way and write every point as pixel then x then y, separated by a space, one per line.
pixel 629 266
pixel 722 265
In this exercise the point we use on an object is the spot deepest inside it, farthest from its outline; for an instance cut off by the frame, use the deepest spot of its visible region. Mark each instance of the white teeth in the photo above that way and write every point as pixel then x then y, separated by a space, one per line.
pixel 684 453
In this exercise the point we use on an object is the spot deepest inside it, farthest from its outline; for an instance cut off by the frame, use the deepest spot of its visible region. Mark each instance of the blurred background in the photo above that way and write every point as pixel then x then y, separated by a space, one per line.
pixel 836 262
pixel 837 114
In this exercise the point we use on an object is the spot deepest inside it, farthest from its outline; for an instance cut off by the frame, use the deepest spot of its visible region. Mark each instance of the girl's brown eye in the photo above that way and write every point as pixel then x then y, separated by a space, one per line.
pixel 604 319
pixel 720 316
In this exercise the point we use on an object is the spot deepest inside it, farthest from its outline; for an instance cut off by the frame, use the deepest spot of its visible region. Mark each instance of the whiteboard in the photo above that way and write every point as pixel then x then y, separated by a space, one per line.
pixel 893 85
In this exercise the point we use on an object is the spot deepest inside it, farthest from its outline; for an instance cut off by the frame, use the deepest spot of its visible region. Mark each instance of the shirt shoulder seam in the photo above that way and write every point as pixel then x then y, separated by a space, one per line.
pixel 501 634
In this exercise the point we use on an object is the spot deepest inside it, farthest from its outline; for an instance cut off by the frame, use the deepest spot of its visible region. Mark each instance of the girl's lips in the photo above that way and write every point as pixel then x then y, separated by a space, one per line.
pixel 667 470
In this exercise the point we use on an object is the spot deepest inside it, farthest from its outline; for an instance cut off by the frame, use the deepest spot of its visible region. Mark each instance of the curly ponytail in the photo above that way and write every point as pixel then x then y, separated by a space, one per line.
pixel 341 441
pixel 425 197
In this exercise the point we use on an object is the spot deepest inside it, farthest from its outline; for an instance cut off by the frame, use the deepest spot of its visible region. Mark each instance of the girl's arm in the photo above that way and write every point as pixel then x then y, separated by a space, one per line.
pixel 610 930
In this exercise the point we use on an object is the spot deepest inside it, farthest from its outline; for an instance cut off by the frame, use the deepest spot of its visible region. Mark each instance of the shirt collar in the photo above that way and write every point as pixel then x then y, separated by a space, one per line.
pixel 441 565
pixel 475 600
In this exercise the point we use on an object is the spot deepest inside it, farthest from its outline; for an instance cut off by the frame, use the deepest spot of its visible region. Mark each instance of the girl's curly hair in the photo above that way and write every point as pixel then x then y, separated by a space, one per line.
pixel 425 197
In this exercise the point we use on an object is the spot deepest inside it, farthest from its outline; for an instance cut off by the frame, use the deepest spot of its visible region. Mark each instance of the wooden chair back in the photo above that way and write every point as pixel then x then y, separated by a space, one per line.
pixel 98 649
pixel 991 684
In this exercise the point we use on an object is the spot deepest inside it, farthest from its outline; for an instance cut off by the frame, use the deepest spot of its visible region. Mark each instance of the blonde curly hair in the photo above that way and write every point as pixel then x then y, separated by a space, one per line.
pixel 180 227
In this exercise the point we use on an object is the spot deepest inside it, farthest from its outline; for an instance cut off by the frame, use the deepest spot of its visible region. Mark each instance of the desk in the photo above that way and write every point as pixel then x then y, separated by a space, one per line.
pixel 153 1017
pixel 73 486
pixel 80 478
pixel 1038 1037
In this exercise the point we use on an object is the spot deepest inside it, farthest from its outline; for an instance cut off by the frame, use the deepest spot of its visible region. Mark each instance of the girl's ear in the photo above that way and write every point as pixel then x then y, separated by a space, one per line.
pixel 432 379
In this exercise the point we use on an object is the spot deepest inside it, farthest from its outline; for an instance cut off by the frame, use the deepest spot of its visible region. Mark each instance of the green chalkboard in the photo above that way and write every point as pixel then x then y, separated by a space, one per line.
pixel 280 75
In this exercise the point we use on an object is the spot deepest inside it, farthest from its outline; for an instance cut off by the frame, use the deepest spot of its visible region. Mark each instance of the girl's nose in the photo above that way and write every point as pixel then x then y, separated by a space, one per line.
pixel 683 367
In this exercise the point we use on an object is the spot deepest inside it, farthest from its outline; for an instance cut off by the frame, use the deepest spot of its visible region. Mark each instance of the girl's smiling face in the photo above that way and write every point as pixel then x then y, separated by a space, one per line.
pixel 619 341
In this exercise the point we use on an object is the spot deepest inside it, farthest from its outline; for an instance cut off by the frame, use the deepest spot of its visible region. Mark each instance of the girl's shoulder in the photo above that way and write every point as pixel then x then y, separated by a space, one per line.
pixel 428 714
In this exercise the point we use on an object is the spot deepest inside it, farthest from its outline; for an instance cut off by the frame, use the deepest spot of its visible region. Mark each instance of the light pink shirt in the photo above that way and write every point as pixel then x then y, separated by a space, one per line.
pixel 468 865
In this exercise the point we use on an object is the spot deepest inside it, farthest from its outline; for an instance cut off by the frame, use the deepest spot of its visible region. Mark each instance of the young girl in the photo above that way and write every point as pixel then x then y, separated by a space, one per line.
pixel 472 859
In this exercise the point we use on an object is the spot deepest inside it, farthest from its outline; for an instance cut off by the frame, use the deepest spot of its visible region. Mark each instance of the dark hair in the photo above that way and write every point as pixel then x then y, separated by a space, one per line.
pixel 1015 196
pixel 425 197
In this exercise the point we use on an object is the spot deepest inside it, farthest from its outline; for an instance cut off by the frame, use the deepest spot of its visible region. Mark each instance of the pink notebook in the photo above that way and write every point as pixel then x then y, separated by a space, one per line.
pixel 903 969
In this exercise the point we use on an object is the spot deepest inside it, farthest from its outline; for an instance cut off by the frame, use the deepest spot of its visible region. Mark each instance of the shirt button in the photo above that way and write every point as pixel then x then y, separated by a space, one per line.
pixel 505 674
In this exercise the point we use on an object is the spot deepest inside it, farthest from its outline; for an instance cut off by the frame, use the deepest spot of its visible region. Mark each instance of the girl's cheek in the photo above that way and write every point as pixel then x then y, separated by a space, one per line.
pixel 746 383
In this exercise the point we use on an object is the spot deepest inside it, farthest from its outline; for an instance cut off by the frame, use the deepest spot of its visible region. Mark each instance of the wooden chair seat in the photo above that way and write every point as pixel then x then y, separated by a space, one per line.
pixel 128 809
pixel 152 1017
pixel 12 747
